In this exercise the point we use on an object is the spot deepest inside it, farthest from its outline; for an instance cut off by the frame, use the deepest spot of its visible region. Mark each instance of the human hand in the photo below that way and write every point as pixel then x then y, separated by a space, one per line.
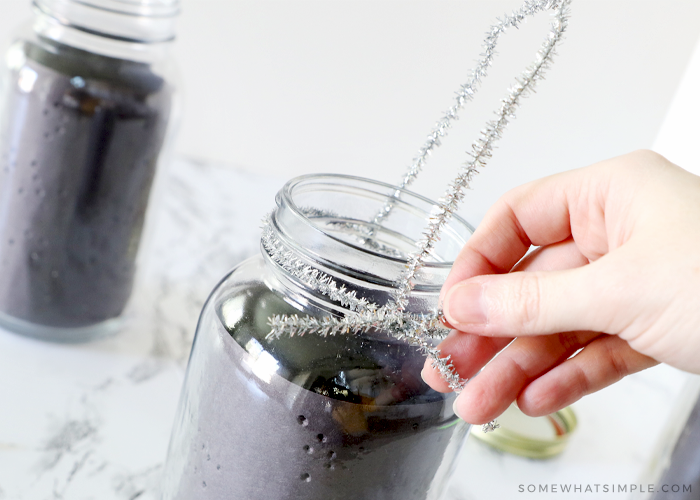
pixel 616 276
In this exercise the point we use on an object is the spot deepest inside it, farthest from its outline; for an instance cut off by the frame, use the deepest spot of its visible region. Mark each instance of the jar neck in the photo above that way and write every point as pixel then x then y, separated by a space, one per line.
pixel 323 223
pixel 140 31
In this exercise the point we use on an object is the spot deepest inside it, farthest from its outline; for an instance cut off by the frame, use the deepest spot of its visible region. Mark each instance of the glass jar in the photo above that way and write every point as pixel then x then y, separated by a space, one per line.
pixel 86 100
pixel 313 417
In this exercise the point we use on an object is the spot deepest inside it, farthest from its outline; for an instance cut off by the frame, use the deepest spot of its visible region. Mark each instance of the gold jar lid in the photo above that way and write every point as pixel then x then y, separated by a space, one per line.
pixel 531 437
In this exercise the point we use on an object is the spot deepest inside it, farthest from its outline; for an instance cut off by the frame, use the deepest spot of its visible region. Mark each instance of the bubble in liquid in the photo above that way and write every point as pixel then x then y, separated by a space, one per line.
pixel 415 427
pixel 321 438
pixel 34 256
pixel 218 467
pixel 208 457
pixel 308 449
pixel 78 82
pixel 306 477
pixel 302 420
pixel 11 241
pixel 331 455
pixel 204 484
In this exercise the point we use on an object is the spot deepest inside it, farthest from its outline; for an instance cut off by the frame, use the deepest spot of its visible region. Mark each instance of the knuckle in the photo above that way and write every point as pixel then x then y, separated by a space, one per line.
pixel 641 160
pixel 525 302
pixel 646 155
pixel 570 341
pixel 581 385
pixel 618 364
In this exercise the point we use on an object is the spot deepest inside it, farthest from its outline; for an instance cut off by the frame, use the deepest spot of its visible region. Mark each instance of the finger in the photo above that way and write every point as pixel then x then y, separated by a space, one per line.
pixel 541 213
pixel 600 364
pixel 557 256
pixel 491 392
pixel 537 303
pixel 501 239
pixel 469 353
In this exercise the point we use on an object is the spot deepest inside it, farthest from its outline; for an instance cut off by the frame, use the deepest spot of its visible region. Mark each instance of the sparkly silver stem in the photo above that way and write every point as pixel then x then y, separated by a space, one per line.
pixel 490 426
pixel 309 275
pixel 464 94
pixel 418 330
pixel 483 146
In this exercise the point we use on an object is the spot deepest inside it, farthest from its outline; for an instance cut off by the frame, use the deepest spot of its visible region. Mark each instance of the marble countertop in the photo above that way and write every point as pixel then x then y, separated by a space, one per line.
pixel 92 421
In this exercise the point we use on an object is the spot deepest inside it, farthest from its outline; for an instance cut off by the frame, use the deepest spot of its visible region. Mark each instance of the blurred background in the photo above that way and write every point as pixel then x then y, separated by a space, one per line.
pixel 284 88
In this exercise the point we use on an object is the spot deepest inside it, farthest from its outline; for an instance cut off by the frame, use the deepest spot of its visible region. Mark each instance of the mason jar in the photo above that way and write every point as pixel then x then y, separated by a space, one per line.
pixel 86 104
pixel 312 417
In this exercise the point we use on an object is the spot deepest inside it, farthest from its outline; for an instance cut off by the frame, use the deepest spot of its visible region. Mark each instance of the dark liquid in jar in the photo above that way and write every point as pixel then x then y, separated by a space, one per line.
pixel 336 418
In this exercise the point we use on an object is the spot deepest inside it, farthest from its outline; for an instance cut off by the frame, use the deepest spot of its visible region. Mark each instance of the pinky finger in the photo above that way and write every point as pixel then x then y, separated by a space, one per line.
pixel 601 363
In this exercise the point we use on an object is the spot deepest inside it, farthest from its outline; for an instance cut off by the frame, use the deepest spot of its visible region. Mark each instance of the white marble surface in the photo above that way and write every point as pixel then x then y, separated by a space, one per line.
pixel 92 421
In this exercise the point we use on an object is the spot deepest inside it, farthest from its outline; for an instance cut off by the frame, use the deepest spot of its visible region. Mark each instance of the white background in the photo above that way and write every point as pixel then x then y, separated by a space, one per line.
pixel 300 86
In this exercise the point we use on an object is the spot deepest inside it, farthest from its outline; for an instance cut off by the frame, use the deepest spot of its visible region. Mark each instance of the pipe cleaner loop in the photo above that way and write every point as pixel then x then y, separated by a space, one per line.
pixel 466 92
pixel 419 330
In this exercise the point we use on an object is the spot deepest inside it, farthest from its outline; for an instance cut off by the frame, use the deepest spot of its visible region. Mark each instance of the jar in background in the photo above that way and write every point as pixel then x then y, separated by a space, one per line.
pixel 86 99
pixel 343 417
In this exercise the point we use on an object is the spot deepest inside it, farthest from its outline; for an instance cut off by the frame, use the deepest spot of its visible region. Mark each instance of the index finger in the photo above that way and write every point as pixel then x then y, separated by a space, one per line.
pixel 537 213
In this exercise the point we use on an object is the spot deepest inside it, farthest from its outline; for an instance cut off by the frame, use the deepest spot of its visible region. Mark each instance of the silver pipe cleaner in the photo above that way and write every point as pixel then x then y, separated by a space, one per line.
pixel 418 330
pixel 464 94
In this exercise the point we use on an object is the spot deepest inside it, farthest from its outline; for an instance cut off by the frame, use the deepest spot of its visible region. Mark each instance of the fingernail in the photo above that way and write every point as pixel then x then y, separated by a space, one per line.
pixel 464 305
pixel 422 374
pixel 454 409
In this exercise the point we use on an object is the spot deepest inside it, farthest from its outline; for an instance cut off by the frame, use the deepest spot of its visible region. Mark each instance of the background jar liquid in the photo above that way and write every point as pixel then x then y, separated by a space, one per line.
pixel 79 143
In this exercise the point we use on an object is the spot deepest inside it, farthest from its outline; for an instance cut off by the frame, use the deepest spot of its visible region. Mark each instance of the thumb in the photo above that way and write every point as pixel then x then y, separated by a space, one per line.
pixel 534 303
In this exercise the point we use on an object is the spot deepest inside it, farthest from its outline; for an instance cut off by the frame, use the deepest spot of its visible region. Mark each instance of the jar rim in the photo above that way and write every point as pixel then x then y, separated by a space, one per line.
pixel 136 8
pixel 286 198
pixel 137 23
